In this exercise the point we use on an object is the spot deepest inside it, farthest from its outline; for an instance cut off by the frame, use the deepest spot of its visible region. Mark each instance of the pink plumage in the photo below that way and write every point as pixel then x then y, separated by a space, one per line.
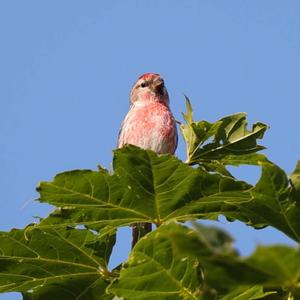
pixel 149 123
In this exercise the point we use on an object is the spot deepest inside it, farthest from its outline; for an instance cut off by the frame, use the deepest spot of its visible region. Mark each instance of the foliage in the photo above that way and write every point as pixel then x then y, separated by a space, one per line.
pixel 66 255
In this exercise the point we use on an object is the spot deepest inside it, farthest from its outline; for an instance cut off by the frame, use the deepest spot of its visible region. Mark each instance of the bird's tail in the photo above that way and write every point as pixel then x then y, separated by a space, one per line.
pixel 139 230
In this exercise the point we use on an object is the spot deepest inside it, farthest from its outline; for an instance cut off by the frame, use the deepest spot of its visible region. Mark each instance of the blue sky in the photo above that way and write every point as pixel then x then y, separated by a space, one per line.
pixel 66 69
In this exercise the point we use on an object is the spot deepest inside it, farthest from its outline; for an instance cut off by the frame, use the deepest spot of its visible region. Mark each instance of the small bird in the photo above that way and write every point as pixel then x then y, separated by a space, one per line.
pixel 149 124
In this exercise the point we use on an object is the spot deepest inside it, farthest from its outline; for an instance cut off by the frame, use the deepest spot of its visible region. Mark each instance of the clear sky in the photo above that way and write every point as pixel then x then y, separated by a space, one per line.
pixel 66 69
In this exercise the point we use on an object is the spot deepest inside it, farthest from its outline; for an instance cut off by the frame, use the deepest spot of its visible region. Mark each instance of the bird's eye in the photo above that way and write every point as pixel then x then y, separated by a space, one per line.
pixel 143 84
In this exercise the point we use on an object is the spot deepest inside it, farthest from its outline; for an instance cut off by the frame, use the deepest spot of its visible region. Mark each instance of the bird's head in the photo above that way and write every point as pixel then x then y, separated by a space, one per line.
pixel 149 87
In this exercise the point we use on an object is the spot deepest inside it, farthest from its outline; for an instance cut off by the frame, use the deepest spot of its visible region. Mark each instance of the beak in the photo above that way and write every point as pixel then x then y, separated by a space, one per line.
pixel 158 86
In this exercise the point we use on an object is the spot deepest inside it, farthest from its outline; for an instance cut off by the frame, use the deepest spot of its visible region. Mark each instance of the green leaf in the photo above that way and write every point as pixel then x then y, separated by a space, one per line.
pixel 246 159
pixel 281 262
pixel 67 262
pixel 295 181
pixel 155 270
pixel 215 238
pixel 227 141
pixel 189 115
pixel 266 204
pixel 145 187
pixel 94 198
pixel 217 258
pixel 276 268
pixel 247 293
pixel 176 262
pixel 270 203
pixel 83 289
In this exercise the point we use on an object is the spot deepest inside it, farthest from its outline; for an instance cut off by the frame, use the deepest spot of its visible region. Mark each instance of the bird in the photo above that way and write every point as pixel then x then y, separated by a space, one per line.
pixel 149 124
